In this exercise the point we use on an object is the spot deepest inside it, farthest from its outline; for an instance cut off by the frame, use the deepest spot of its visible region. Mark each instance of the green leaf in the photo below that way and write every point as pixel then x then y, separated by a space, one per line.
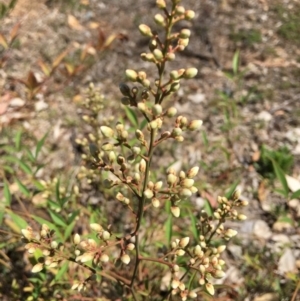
pixel 281 177
pixel 72 217
pixel 69 230
pixel 231 190
pixel 18 140
pixel 143 124
pixel 30 155
pixel 18 220
pixel 25 167
pixel 235 62
pixel 40 145
pixel 7 194
pixel 131 115
pixel 59 275
pixel 23 188
pixel 57 192
pixel 208 208
pixel 57 219
pixel 295 195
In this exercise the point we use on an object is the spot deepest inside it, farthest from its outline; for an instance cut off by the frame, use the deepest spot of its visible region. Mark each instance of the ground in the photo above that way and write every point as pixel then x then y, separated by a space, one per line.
pixel 246 92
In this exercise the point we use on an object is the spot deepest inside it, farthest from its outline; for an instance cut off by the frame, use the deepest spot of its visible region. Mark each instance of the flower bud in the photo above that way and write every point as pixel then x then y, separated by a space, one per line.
pixel 171 112
pixel 145 30
pixel 37 268
pixel 185 33
pixel 210 288
pixel 188 183
pixel 159 19
pixel 125 258
pixel 176 132
pixel 175 87
pixel 230 233
pixel 192 295
pixel 218 274
pixel 189 15
pixel 153 124
pixel 185 192
pixel 195 125
pixel 161 4
pixel 54 244
pixel 107 147
pixel 85 257
pixel 180 252
pixel 157 109
pixel 184 242
pixel 174 75
pixel 179 10
pixel 142 166
pixel 105 235
pixel 171 179
pixel 175 211
pixel 139 135
pixel 193 172
pixel 148 193
pixel 131 75
pixel 107 131
pixel 104 258
pixel 170 56
pixel 96 227
pixel 76 239
pixel 190 73
pixel 241 217
pixel 155 202
pixel 112 157
pixel 27 233
pixel 175 283
pixel 130 246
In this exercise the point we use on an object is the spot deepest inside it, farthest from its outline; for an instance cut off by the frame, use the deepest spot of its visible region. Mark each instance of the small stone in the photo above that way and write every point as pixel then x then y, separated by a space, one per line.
pixel 17 102
pixel 267 297
pixel 197 98
pixel 264 116
pixel 261 229
pixel 287 262
pixel 40 106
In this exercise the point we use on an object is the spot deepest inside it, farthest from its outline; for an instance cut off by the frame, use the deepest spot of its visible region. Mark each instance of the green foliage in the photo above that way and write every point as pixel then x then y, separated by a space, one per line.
pixel 271 162
pixel 5 9
pixel 247 38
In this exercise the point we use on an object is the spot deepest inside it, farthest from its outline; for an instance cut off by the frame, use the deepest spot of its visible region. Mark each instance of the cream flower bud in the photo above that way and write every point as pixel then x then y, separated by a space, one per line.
pixel 187 183
pixel 241 217
pixel 130 246
pixel 105 235
pixel 217 215
pixel 107 131
pixel 155 202
pixel 27 233
pixel 176 268
pixel 170 56
pixel 195 125
pixel 185 33
pixel 190 73
pixel 185 192
pixel 175 87
pixel 139 135
pixel 171 112
pixel 171 179
pixel 219 274
pixel 148 193
pixel 96 227
pixel 131 75
pixel 153 124
pixel 54 244
pixel 85 257
pixel 174 75
pixel 176 132
pixel 159 19
pixel 125 258
pixel 175 211
pixel 230 233
pixel 145 30
pixel 107 147
pixel 210 288
pixel 180 10
pixel 221 248
pixel 184 242
pixel 142 166
pixel 157 110
pixel 37 268
pixel 192 295
pixel 76 239
pixel 189 15
pixel 193 172
pixel 175 283
pixel 104 258
pixel 158 185
pixel 236 195
pixel 161 4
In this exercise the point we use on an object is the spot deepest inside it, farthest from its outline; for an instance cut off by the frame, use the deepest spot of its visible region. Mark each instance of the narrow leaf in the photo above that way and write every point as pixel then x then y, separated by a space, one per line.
pixel 69 230
pixel 235 62
pixel 18 220
pixel 131 115
pixel 281 177
pixel 41 221
pixel 23 188
pixel 40 144
pixel 18 140
pixel 296 195
pixel 57 219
